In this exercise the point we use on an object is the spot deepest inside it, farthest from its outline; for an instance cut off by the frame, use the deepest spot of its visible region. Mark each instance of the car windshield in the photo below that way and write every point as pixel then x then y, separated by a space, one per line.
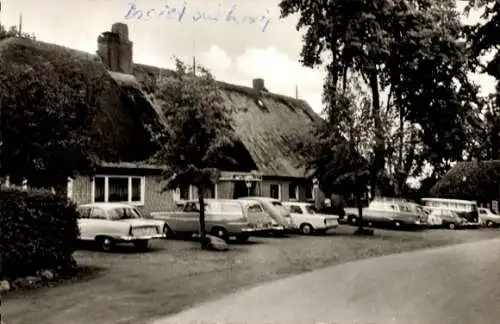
pixel 124 213
pixel 310 209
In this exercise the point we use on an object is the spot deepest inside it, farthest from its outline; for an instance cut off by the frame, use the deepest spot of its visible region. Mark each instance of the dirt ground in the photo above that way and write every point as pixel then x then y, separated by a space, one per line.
pixel 133 287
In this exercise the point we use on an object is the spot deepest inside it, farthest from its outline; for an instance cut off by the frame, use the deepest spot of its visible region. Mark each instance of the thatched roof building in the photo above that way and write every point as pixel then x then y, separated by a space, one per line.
pixel 265 123
pixel 473 180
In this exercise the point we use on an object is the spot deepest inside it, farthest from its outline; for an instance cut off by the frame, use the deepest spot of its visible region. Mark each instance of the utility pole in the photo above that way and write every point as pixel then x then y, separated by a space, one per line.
pixel 194 48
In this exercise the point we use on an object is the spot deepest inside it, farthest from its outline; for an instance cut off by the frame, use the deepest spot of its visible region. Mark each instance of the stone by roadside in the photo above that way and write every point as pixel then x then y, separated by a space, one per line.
pixel 43 276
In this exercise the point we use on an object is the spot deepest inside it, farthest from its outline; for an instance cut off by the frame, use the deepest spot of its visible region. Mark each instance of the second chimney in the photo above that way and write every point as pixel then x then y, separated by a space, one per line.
pixel 258 84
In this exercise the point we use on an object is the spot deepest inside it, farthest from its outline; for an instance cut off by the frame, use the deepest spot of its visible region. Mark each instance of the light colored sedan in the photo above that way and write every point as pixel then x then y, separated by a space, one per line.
pixel 307 220
pixel 276 210
pixel 111 223
pixel 488 218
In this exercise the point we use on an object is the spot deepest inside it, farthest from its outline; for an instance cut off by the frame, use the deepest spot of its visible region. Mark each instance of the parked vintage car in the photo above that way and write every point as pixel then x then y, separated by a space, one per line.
pixel 307 220
pixel 260 218
pixel 445 218
pixel 276 210
pixel 224 218
pixel 488 218
pixel 109 224
pixel 398 213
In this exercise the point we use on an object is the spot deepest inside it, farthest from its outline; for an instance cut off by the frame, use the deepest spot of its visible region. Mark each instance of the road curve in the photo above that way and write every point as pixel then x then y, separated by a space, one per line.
pixel 451 285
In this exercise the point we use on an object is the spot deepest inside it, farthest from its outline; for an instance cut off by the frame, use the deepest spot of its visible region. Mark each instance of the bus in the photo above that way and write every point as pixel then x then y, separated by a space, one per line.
pixel 466 209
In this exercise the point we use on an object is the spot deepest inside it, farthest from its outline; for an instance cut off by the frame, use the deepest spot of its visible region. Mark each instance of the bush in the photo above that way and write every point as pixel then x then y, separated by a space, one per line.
pixel 38 231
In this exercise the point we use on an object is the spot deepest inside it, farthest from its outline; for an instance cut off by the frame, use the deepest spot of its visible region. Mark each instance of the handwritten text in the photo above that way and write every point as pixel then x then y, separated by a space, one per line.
pixel 185 12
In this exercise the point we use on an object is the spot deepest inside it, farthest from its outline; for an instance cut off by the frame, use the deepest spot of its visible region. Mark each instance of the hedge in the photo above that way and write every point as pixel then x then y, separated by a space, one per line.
pixel 38 230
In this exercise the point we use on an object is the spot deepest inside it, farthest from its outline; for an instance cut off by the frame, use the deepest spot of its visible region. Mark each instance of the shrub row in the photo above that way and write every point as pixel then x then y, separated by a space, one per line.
pixel 38 230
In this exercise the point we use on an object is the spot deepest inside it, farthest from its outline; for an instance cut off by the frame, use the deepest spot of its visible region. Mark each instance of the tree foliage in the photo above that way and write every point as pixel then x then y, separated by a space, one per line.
pixel 483 36
pixel 435 92
pixel 200 129
pixel 46 117
pixel 339 144
pixel 483 39
pixel 408 49
pixel 14 32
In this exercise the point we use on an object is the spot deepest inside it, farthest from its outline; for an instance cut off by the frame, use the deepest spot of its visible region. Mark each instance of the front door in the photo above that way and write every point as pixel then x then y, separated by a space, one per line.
pixel 241 189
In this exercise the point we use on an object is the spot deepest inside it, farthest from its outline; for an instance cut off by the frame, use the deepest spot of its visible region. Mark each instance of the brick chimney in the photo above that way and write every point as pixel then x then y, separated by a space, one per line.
pixel 115 49
pixel 258 84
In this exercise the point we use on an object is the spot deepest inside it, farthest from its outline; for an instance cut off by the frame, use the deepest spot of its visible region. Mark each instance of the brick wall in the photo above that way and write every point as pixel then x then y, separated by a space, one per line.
pixel 154 199
pixel 82 190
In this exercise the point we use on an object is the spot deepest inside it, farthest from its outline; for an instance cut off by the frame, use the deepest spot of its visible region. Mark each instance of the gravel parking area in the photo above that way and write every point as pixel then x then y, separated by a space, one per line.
pixel 133 287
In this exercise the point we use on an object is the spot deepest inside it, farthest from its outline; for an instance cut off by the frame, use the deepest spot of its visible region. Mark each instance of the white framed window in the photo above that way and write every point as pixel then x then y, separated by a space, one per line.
pixel 183 193
pixel 275 191
pixel 212 192
pixel 113 188
pixel 293 191
pixel 188 193
pixel 69 188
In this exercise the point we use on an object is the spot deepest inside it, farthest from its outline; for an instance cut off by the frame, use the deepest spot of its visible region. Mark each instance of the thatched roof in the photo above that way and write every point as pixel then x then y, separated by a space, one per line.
pixel 474 180
pixel 266 131
pixel 121 137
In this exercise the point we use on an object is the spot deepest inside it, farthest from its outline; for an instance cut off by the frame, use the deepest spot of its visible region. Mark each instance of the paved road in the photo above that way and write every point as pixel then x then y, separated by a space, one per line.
pixel 450 285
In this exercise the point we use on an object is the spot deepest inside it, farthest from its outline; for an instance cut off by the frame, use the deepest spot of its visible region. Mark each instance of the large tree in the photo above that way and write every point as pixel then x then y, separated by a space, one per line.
pixel 193 146
pixel 47 112
pixel 341 159
pixel 484 39
pixel 408 49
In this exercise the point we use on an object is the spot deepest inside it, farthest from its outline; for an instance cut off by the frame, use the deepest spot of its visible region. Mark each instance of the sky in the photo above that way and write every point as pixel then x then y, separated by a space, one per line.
pixel 238 40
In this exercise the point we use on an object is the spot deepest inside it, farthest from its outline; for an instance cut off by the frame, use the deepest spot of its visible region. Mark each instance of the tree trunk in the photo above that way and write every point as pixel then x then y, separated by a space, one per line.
pixel 378 161
pixel 203 234
pixel 495 139
pixel 358 202
pixel 400 167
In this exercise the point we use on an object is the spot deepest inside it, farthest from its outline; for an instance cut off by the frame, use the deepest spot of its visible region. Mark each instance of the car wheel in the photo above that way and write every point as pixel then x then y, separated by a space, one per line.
pixel 306 229
pixel 490 224
pixel 106 244
pixel 353 220
pixel 451 226
pixel 397 224
pixel 168 232
pixel 142 245
pixel 220 233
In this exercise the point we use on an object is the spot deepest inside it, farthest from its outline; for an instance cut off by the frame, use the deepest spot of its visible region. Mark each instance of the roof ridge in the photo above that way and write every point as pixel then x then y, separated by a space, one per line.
pixel 162 69
pixel 226 83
